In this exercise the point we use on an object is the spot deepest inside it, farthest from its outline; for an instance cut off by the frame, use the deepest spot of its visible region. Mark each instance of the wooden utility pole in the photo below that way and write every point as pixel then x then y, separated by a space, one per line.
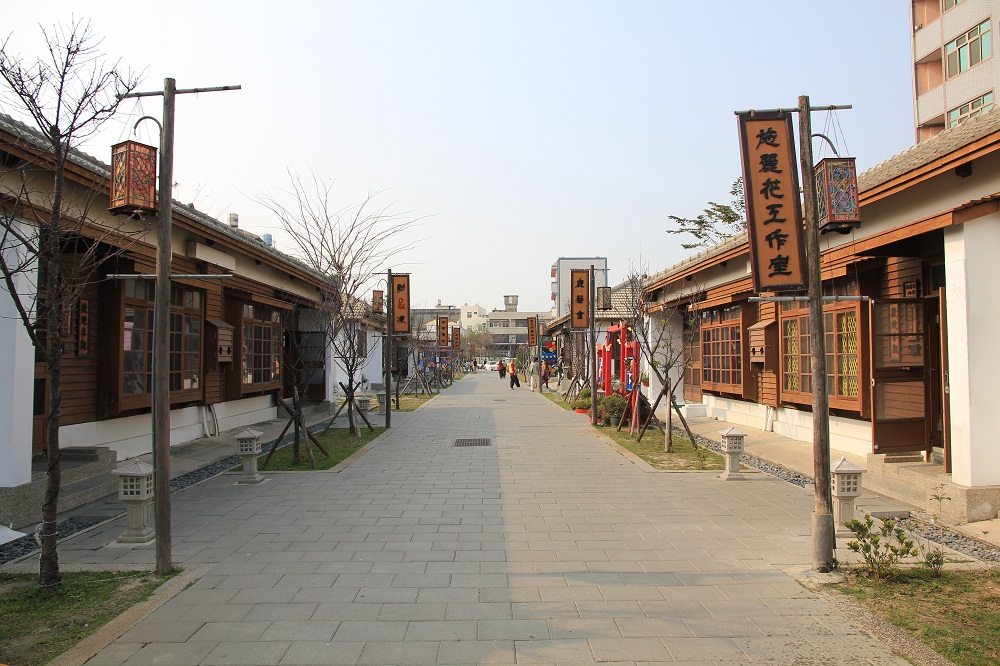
pixel 593 348
pixel 161 326
pixel 822 518
pixel 390 322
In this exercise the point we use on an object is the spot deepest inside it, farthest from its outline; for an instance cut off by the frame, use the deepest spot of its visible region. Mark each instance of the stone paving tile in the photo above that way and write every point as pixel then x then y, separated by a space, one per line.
pixel 567 651
pixel 167 654
pixel 393 652
pixel 630 649
pixel 303 653
pixel 476 652
pixel 242 653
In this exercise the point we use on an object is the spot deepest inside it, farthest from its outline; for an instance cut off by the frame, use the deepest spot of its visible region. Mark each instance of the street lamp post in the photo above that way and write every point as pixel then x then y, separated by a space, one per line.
pixel 161 325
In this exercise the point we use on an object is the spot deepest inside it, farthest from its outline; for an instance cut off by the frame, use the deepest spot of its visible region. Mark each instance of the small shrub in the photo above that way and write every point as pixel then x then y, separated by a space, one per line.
pixel 614 404
pixel 584 394
pixel 933 559
pixel 881 548
pixel 581 403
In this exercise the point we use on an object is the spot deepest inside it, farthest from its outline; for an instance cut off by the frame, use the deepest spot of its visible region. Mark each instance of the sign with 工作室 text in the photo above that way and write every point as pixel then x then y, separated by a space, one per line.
pixel 774 217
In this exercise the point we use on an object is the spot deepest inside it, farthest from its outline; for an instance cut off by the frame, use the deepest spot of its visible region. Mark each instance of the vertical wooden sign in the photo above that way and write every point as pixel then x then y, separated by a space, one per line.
pixel 579 293
pixel 456 338
pixel 442 331
pixel 400 289
pixel 532 331
pixel 774 215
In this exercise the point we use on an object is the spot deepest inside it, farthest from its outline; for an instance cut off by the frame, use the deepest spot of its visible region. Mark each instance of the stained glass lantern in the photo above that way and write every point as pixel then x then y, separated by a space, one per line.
pixel 604 298
pixel 837 207
pixel 133 178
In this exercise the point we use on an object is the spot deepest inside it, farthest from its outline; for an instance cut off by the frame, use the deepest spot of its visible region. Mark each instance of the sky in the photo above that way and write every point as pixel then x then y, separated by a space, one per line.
pixel 512 133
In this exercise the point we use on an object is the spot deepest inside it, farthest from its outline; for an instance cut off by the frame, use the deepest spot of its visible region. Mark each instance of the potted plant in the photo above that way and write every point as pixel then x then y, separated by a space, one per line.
pixel 581 405
pixel 644 378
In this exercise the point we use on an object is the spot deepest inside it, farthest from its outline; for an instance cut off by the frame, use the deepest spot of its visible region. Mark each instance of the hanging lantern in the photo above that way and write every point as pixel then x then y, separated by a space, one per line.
pixel 133 178
pixel 837 207
pixel 604 298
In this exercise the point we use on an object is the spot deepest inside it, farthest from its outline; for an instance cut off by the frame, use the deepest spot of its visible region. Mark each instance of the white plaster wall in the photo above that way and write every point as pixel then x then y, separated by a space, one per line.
pixel 131 436
pixel 17 367
pixel 848 435
pixel 973 364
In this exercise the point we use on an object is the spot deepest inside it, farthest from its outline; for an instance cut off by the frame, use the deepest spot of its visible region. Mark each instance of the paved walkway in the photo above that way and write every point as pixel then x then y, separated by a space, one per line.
pixel 547 547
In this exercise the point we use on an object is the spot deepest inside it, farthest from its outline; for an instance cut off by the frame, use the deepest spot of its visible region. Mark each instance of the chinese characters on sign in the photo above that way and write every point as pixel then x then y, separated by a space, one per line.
pixel 774 218
pixel 579 294
pixel 532 331
pixel 400 289
pixel 442 331
pixel 456 338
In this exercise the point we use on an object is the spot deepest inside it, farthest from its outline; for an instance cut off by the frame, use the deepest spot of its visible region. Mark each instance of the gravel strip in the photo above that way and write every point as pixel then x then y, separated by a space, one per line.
pixel 27 544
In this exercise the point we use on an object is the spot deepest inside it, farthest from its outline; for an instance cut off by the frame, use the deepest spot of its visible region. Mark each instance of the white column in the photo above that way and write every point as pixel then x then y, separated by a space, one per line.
pixel 17 367
pixel 973 311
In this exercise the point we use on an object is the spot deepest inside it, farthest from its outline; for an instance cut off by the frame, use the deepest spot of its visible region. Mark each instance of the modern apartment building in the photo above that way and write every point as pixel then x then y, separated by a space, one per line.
pixel 955 76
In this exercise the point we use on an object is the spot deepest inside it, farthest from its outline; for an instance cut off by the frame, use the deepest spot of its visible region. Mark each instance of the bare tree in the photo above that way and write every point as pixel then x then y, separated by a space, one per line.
pixel 663 336
pixel 47 240
pixel 349 247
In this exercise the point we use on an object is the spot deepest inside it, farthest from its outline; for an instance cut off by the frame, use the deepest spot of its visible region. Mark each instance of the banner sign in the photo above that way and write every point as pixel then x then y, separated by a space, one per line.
pixel 774 217
pixel 532 331
pixel 579 298
pixel 456 338
pixel 400 303
pixel 443 332
pixel 378 299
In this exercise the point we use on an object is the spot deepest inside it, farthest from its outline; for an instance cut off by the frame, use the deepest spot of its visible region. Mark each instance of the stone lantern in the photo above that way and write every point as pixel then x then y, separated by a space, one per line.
pixel 846 478
pixel 249 445
pixel 732 447
pixel 135 489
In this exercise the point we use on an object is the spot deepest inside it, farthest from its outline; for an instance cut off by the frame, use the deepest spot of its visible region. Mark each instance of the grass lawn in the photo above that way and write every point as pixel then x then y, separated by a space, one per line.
pixel 338 441
pixel 683 456
pixel 958 614
pixel 36 629
pixel 410 402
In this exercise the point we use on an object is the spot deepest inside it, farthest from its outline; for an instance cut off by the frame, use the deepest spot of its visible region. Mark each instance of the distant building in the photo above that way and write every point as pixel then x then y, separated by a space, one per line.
pixel 954 74
pixel 509 327
pixel 561 277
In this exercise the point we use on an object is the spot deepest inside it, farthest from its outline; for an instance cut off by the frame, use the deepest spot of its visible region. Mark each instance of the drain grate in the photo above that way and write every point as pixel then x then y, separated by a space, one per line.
pixel 473 442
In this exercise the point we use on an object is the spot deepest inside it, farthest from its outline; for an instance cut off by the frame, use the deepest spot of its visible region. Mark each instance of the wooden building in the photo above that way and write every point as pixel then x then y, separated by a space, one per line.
pixel 236 343
pixel 910 367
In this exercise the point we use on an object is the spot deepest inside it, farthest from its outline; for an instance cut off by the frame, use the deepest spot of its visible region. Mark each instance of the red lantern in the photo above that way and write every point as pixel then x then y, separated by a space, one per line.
pixel 133 178
pixel 837 207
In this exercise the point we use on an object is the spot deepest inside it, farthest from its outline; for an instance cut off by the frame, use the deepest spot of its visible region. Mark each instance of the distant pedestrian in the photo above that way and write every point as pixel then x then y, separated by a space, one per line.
pixel 512 369
pixel 560 364
pixel 546 373
pixel 533 374
pixel 502 369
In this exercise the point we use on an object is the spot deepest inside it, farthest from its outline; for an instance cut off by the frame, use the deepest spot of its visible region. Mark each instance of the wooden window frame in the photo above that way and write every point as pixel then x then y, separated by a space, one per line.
pixel 265 356
pixel 186 305
pixel 722 346
pixel 835 356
